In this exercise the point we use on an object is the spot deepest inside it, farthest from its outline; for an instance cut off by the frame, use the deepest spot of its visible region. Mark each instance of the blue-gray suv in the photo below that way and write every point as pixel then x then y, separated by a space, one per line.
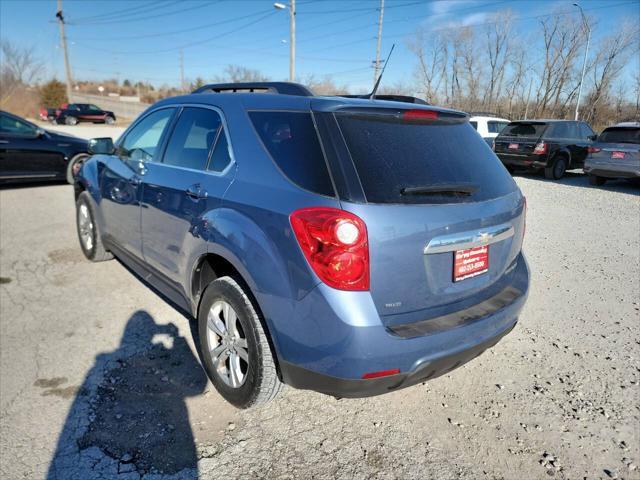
pixel 351 246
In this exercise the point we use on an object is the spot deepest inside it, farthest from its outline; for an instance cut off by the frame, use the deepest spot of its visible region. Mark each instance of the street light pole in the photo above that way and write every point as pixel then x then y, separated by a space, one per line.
pixel 292 35
pixel 584 62
pixel 376 68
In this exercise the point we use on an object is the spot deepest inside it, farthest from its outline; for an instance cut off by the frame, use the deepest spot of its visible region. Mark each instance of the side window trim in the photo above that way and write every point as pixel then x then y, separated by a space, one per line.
pixel 169 133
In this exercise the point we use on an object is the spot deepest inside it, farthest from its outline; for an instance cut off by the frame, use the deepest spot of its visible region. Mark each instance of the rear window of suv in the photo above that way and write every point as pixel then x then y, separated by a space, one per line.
pixel 292 141
pixel 620 135
pixel 524 129
pixel 392 156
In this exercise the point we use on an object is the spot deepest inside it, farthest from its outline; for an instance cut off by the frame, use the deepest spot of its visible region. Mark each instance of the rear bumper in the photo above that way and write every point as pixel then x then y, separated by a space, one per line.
pixel 333 338
pixel 357 388
pixel 612 170
pixel 525 161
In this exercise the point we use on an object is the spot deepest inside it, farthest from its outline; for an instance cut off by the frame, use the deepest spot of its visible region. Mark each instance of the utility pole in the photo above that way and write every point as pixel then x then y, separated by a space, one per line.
pixel 182 86
pixel 377 65
pixel 584 62
pixel 292 41
pixel 292 35
pixel 63 41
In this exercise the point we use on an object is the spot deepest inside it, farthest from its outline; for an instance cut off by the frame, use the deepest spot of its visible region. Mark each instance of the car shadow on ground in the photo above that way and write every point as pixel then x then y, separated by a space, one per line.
pixel 576 179
pixel 130 418
pixel 24 185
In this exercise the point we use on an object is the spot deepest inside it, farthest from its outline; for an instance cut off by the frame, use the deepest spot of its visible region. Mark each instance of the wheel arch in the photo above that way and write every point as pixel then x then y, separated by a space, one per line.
pixel 211 266
pixel 562 152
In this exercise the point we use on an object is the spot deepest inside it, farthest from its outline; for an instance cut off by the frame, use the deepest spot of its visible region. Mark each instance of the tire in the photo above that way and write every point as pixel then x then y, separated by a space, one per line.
pixel 109 120
pixel 236 355
pixel 73 167
pixel 71 121
pixel 88 233
pixel 557 168
pixel 596 180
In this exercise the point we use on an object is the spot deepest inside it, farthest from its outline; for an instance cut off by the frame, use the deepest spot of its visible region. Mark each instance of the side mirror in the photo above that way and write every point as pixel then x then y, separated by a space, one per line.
pixel 40 133
pixel 101 146
pixel 593 138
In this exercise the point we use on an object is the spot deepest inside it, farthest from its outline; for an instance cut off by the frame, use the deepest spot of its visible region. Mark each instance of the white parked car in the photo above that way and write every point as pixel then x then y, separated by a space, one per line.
pixel 488 126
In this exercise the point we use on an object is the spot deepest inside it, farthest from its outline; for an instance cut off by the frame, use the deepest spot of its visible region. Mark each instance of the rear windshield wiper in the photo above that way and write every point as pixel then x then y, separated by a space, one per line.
pixel 441 189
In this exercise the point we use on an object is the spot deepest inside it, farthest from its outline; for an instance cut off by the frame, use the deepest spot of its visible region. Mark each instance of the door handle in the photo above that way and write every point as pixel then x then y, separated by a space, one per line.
pixel 196 192
pixel 4 141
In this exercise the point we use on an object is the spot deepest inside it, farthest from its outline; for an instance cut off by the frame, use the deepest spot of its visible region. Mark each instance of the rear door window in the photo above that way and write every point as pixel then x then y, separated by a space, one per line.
pixel 585 131
pixel 559 130
pixel 292 141
pixel 496 127
pixel 392 156
pixel 193 138
pixel 524 129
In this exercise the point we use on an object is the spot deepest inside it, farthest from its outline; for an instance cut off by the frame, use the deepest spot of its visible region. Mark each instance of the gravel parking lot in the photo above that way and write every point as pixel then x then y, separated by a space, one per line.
pixel 100 378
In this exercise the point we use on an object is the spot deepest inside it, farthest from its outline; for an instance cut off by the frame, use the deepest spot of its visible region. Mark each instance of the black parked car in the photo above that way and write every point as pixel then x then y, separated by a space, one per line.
pixel 29 153
pixel 552 145
pixel 74 113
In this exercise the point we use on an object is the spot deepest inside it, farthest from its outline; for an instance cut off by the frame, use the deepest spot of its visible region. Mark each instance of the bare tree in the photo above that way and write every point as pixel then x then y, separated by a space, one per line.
pixel 498 50
pixel 238 73
pixel 19 67
pixel 609 61
pixel 323 86
pixel 431 57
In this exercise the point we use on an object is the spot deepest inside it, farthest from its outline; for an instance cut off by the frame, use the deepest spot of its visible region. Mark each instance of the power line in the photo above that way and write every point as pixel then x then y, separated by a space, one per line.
pixel 185 30
pixel 324 12
pixel 186 45
pixel 126 11
pixel 145 17
pixel 473 25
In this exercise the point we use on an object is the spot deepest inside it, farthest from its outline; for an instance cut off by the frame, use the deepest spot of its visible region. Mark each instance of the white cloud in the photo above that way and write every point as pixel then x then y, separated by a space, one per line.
pixel 443 7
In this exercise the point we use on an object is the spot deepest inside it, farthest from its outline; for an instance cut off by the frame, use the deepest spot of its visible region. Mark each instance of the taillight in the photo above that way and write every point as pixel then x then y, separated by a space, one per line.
pixel 335 244
pixel 593 149
pixel 58 112
pixel 540 148
pixel 420 115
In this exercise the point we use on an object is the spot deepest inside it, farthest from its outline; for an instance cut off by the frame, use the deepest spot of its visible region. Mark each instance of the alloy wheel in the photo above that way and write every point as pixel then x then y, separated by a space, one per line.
pixel 227 344
pixel 85 225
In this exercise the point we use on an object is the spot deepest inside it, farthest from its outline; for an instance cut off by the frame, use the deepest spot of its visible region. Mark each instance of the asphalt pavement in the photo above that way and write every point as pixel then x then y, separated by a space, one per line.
pixel 99 377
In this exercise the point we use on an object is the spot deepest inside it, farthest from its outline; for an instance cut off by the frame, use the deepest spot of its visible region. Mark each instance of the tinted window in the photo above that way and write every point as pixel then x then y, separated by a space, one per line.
pixel 292 142
pixel 392 156
pixel 193 137
pixel 620 135
pixel 496 127
pixel 141 142
pixel 585 131
pixel 474 125
pixel 221 156
pixel 524 129
pixel 15 126
pixel 559 130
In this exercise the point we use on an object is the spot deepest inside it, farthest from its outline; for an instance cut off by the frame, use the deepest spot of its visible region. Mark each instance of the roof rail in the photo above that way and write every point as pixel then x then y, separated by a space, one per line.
pixel 392 98
pixel 282 88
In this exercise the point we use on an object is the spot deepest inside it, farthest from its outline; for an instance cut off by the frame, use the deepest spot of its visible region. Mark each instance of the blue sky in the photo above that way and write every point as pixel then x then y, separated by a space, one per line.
pixel 141 40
